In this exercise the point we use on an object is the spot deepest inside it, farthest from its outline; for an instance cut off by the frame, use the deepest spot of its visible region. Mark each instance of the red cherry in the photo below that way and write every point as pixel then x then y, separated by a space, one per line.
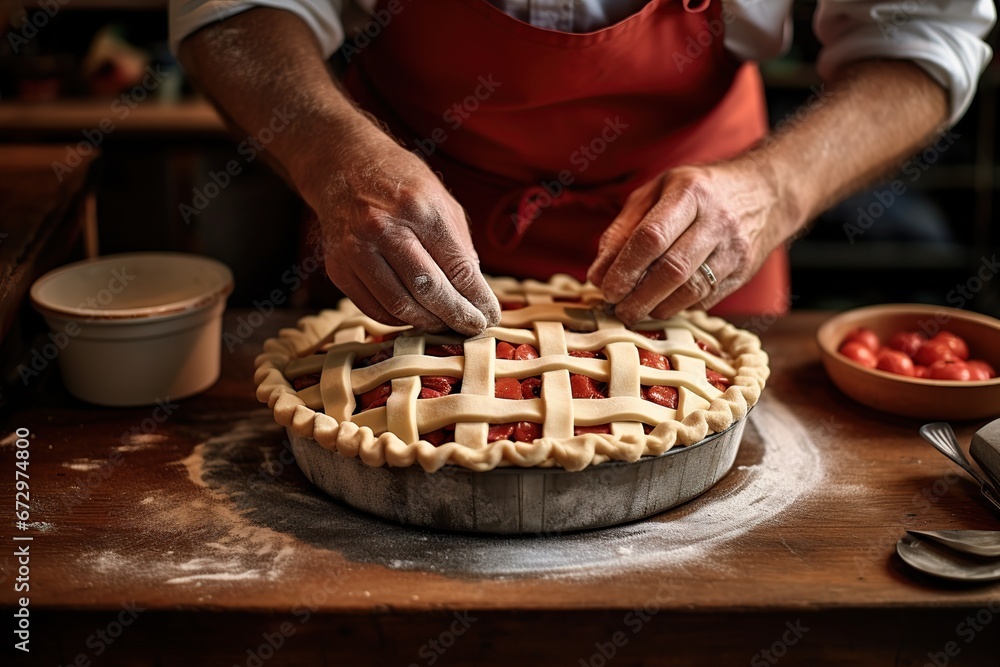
pixel 956 343
pixel 600 428
pixel 717 380
pixel 527 431
pixel 512 305
pixel 653 360
pixel 381 355
pixel 509 388
pixel 661 395
pixel 894 361
pixel 859 353
pixel 377 397
pixel 444 350
pixel 864 336
pixel 907 342
pixel 980 370
pixel 436 438
pixel 585 387
pixel 935 350
pixel 505 350
pixel 525 352
pixel 921 371
pixel 583 354
pixel 950 370
pixel 500 432
pixel 531 387
pixel 304 381
pixel 708 348
pixel 439 382
pixel 435 386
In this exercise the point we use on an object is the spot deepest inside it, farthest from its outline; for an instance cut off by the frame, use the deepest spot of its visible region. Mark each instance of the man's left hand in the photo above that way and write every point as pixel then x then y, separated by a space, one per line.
pixel 729 216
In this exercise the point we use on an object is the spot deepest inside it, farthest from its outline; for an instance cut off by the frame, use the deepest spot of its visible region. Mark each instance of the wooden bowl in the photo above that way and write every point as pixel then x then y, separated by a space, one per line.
pixel 928 400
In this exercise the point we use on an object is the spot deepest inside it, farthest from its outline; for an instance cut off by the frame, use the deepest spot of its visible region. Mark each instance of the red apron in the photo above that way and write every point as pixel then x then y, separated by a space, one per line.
pixel 541 134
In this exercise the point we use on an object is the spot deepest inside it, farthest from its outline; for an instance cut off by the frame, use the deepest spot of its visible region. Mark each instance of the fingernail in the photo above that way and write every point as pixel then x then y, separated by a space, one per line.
pixel 613 294
pixel 473 322
pixel 594 273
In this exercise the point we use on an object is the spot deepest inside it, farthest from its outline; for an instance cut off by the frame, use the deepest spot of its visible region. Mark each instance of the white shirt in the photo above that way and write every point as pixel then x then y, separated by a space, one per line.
pixel 944 37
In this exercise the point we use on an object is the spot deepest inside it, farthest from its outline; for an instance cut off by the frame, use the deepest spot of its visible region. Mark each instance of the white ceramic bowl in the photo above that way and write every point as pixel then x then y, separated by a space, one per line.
pixel 134 329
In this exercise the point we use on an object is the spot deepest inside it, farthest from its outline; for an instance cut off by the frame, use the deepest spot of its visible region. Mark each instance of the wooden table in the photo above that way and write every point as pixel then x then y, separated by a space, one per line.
pixel 200 519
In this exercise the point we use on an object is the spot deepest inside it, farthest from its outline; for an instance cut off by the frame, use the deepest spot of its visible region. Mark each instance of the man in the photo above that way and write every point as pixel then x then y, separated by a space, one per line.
pixel 620 140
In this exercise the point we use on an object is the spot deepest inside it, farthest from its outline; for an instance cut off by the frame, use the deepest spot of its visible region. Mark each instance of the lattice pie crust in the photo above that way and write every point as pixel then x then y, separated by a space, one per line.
pixel 565 324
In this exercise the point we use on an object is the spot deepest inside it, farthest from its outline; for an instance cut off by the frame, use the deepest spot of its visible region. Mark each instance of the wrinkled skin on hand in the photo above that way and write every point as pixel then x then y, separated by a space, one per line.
pixel 398 244
pixel 727 215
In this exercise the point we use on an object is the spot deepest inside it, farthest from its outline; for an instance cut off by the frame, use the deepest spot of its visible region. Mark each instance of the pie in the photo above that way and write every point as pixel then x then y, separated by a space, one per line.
pixel 560 382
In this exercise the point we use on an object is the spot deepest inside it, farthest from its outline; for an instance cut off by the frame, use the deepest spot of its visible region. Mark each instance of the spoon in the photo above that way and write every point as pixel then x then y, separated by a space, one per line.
pixel 936 560
pixel 942 438
pixel 976 542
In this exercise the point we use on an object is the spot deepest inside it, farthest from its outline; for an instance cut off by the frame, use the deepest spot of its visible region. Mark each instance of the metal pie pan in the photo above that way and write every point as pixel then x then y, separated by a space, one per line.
pixel 523 500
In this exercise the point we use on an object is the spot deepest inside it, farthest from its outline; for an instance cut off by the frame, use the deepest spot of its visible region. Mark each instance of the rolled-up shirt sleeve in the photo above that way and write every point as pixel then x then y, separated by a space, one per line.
pixel 322 17
pixel 941 36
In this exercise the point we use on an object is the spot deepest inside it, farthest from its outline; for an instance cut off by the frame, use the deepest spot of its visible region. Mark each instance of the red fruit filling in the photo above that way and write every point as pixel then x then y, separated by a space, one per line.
pixel 661 395
pixel 584 387
pixel 514 431
pixel 511 305
pixel 440 436
pixel 381 355
pixel 514 389
pixel 374 398
pixel 435 386
pixel 599 428
pixel 653 360
pixel 444 350
pixel 505 350
pixel 708 348
pixel 587 354
pixel 531 388
pixel 527 431
pixel 304 381
pixel 509 388
pixel 524 352
pixel 431 386
pixel 500 432
pixel 718 380
pixel 587 387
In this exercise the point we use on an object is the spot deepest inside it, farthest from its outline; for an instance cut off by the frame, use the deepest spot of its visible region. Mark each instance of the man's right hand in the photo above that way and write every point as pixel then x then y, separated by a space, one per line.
pixel 396 242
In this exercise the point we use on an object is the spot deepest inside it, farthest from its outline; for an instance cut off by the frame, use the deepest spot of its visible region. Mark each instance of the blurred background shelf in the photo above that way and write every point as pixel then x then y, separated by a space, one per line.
pixel 67 118
pixel 109 5
pixel 880 255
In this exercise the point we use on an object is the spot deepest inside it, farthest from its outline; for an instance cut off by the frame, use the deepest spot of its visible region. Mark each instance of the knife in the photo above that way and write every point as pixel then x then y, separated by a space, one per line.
pixel 985 450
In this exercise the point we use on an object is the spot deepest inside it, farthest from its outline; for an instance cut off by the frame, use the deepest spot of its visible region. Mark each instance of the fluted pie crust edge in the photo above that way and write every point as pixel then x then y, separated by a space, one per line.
pixel 720 410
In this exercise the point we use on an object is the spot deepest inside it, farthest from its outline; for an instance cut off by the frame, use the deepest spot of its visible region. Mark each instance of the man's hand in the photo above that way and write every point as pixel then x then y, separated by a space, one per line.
pixel 727 215
pixel 397 243
pixel 730 215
